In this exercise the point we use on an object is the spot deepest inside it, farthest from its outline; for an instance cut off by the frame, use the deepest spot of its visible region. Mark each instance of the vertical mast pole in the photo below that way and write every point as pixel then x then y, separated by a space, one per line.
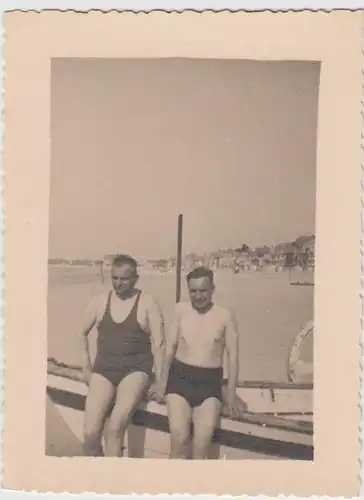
pixel 179 258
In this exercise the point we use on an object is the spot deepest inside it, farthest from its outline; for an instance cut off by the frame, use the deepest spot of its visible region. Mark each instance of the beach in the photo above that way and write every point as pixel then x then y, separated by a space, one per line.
pixel 270 312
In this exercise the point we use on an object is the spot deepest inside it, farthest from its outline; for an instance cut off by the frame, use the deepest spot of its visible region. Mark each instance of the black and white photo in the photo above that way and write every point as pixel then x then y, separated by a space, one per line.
pixel 181 258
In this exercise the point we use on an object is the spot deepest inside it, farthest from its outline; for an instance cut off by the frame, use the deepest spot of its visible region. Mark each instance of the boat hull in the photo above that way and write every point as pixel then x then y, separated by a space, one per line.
pixel 276 425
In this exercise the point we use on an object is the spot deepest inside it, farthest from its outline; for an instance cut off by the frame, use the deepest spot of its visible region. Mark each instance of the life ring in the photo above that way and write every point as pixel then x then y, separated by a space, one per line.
pixel 298 370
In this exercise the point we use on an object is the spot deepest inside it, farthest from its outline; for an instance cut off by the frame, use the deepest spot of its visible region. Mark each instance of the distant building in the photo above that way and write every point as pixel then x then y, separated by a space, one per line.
pixel 305 242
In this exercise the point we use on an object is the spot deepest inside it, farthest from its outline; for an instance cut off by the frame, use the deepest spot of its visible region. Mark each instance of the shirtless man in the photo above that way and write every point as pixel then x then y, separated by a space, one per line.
pixel 130 341
pixel 193 367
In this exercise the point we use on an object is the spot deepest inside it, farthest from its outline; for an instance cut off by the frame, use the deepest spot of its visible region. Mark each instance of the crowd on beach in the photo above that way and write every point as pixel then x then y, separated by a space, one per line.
pixel 299 254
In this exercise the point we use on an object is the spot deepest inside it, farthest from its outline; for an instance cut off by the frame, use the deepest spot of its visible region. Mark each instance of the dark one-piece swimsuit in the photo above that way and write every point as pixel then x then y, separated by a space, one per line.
pixel 122 348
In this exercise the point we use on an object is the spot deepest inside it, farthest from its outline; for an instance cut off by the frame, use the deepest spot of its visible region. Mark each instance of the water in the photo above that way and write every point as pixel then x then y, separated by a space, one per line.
pixel 269 312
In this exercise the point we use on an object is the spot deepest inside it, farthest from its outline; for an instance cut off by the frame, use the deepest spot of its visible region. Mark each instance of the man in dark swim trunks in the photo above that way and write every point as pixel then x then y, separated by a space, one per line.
pixel 193 368
pixel 130 341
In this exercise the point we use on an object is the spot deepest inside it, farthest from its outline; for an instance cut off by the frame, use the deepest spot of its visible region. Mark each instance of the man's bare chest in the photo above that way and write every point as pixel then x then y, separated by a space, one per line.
pixel 201 330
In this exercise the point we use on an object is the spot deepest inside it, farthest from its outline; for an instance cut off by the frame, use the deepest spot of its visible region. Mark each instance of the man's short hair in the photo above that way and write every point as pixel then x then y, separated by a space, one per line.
pixel 201 272
pixel 122 259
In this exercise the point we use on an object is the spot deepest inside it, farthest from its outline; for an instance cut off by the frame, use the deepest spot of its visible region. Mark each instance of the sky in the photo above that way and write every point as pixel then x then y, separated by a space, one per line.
pixel 230 144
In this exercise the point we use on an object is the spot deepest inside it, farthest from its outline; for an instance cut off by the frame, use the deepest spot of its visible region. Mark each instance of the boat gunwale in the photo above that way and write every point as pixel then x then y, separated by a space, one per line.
pixel 73 372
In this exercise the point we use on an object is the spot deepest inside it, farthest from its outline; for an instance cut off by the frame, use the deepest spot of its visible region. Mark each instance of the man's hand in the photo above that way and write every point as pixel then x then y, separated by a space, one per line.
pixel 236 407
pixel 86 374
pixel 156 392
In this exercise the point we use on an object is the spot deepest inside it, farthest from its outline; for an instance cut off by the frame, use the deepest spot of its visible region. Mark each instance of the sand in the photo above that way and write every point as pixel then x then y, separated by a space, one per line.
pixel 269 310
pixel 60 440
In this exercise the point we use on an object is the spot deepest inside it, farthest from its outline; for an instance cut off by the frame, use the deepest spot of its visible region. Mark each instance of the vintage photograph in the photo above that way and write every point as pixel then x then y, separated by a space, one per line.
pixel 181 258
pixel 182 264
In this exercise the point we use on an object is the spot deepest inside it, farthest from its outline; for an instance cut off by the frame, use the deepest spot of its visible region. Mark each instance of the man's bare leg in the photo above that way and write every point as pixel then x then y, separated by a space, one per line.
pixel 179 416
pixel 99 398
pixel 129 395
pixel 205 421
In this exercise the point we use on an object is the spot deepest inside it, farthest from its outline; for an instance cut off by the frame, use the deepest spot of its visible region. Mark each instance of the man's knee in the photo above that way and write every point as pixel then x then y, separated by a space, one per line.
pixel 180 438
pixel 203 439
pixel 116 426
pixel 180 445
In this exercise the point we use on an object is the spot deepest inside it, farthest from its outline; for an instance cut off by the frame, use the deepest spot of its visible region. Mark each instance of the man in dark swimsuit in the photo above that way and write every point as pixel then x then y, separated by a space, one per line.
pixel 130 341
pixel 193 369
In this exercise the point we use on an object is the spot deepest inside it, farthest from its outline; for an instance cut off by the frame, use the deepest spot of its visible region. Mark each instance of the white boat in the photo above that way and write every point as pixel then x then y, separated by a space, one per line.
pixel 276 420
pixel 298 368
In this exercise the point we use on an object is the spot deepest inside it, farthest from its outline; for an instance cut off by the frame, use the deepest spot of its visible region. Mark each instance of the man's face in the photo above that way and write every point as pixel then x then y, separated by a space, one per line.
pixel 123 279
pixel 200 290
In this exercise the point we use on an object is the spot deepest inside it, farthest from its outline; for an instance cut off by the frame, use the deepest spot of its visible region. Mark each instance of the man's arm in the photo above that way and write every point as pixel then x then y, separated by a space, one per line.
pixel 171 346
pixel 87 323
pixel 232 350
pixel 156 325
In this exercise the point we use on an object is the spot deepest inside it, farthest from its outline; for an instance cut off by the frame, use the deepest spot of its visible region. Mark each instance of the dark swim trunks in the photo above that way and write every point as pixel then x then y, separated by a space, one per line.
pixel 122 348
pixel 194 383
